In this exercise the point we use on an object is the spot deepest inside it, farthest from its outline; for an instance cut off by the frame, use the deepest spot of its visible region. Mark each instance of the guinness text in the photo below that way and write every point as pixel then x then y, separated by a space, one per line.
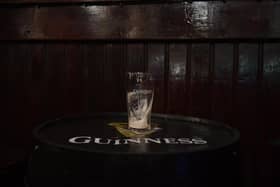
pixel 111 141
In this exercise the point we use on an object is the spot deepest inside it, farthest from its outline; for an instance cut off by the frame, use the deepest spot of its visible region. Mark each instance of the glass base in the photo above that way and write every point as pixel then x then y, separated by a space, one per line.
pixel 147 131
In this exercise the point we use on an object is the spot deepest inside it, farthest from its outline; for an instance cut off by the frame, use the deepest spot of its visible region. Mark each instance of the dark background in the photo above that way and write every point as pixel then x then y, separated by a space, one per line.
pixel 211 59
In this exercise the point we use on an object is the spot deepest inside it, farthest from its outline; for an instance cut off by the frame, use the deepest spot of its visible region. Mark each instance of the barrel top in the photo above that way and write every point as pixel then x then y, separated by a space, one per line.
pixel 107 133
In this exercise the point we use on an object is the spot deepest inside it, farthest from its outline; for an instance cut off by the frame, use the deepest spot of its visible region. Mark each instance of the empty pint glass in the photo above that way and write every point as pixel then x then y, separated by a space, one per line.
pixel 140 93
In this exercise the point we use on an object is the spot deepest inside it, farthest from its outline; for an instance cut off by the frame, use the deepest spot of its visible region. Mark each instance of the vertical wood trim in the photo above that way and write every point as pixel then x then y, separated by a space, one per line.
pixel 44 82
pixel 234 83
pixel 211 77
pixel 146 56
pixel 125 58
pixel 123 63
pixel 85 77
pixel 166 76
pixel 188 78
pixel 260 90
pixel 260 65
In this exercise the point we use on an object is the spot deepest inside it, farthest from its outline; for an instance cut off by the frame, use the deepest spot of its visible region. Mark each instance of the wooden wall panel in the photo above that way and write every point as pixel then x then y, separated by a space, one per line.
pixel 18 95
pixel 246 101
pixel 6 130
pixel 177 91
pixel 269 126
pixel 37 83
pixel 54 72
pixel 94 60
pixel 79 2
pixel 114 76
pixel 200 101
pixel 74 84
pixel 271 76
pixel 15 68
pixel 16 22
pixel 105 77
pixel 222 84
pixel 63 2
pixel 77 22
pixel 245 113
pixel 156 65
pixel 136 57
pixel 174 21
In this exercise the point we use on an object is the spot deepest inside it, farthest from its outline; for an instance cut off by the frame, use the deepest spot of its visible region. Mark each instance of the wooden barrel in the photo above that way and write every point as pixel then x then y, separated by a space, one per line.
pixel 99 150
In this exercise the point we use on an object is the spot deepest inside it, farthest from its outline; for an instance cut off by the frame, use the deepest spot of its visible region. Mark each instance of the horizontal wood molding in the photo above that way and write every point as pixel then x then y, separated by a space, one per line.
pixel 10 2
pixel 60 2
pixel 176 21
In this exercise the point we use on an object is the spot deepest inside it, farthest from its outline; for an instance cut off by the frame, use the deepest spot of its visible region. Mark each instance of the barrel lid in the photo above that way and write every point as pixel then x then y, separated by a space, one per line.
pixel 107 133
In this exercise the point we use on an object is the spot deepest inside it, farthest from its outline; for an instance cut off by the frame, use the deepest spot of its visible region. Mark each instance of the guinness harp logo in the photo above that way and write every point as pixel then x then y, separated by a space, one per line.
pixel 122 128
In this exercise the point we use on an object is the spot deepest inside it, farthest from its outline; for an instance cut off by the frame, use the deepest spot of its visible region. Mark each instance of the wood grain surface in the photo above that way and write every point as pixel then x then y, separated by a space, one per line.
pixel 177 21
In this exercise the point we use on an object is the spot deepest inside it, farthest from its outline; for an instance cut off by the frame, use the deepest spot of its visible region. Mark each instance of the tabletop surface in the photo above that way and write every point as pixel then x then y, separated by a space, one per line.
pixel 107 133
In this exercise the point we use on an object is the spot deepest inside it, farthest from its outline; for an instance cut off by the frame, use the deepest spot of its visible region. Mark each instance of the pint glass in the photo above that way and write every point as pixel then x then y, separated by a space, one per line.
pixel 140 94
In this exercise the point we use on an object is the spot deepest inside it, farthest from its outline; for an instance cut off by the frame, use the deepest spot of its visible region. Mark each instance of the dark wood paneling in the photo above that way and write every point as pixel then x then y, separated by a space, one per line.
pixel 6 130
pixel 271 76
pixel 222 85
pixel 197 20
pixel 16 23
pixel 74 80
pixel 114 76
pixel 245 113
pixel 177 92
pixel 269 102
pixel 95 57
pixel 15 105
pixel 136 61
pixel 156 64
pixel 84 22
pixel 18 85
pixel 54 75
pixel 37 83
pixel 200 102
pixel 106 77
pixel 246 91
pixel 63 2
pixel 44 2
